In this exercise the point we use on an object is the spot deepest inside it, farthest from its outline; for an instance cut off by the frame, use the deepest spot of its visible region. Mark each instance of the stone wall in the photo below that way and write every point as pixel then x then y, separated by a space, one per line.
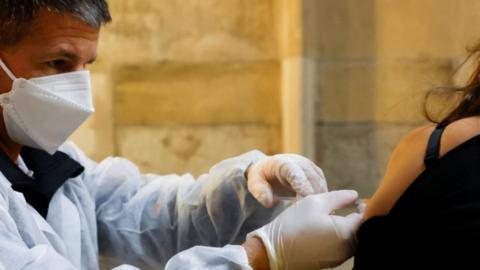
pixel 374 61
pixel 181 85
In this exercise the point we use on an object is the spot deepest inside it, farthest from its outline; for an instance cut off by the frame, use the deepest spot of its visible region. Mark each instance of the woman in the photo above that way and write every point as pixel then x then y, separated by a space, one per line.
pixel 426 212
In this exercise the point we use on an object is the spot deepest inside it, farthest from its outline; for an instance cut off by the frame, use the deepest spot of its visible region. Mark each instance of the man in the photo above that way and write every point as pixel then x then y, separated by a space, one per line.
pixel 59 209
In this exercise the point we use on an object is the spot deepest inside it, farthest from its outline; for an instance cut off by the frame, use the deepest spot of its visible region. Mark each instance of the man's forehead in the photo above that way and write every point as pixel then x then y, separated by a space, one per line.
pixel 49 24
pixel 58 36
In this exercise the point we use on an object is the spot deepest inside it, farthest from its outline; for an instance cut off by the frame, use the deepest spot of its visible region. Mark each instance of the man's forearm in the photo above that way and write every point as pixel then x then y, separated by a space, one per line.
pixel 257 255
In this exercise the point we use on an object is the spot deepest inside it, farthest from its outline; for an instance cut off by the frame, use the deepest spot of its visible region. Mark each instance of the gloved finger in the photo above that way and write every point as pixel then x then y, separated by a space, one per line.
pixel 361 206
pixel 294 176
pixel 339 199
pixel 261 190
pixel 316 177
pixel 346 227
pixel 353 220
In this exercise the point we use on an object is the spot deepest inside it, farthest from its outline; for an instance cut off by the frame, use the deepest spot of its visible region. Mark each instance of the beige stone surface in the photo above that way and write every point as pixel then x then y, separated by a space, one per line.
pixel 209 64
pixel 346 91
pixel 347 155
pixel 385 91
pixel 191 31
pixel 172 93
pixel 386 29
pixel 401 87
pixel 192 149
pixel 298 106
pixel 468 32
pixel 297 101
pixel 291 25
pixel 95 136
pixel 350 29
pixel 339 29
pixel 416 29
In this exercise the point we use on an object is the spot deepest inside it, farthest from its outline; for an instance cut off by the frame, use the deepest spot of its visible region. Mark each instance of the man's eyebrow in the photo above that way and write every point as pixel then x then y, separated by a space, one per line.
pixel 62 52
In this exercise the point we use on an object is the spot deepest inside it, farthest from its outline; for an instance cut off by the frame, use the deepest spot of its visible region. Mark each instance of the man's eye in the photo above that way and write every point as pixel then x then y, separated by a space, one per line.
pixel 57 64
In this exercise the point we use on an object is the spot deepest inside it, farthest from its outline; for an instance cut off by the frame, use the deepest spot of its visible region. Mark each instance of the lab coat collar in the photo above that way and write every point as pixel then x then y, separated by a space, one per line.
pixel 49 173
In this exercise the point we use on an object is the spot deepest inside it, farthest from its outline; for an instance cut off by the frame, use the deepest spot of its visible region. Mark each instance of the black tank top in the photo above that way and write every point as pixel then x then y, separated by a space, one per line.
pixel 435 224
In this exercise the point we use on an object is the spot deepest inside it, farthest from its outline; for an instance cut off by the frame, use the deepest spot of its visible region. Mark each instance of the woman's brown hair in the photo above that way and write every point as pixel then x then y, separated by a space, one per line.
pixel 458 101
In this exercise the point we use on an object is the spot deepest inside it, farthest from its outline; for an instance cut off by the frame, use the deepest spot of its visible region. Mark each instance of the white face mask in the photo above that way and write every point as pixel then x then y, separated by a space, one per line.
pixel 43 112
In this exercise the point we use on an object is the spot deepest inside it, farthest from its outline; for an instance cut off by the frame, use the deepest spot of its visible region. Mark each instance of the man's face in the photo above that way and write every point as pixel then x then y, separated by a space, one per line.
pixel 56 44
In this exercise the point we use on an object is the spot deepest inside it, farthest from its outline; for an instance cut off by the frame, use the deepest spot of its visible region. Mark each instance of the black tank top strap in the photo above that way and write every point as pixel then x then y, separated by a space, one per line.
pixel 433 148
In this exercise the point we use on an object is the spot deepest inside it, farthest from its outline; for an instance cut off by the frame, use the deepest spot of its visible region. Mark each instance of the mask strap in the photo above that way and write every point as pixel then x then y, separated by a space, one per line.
pixel 7 71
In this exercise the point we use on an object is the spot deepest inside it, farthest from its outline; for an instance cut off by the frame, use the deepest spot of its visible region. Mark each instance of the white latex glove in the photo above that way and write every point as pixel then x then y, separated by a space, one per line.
pixel 284 175
pixel 308 236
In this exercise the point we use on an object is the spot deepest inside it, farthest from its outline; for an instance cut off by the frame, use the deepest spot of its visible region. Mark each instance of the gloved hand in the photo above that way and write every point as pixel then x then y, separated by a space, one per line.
pixel 308 236
pixel 284 175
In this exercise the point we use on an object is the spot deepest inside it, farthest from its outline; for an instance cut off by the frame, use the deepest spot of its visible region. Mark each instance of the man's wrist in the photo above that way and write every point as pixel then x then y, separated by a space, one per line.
pixel 257 254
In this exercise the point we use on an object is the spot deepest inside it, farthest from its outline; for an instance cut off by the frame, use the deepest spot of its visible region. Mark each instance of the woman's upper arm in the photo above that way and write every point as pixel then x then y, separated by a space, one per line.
pixel 405 165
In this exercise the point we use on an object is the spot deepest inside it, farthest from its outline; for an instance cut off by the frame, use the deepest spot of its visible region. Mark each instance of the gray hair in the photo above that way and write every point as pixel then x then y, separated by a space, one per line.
pixel 17 16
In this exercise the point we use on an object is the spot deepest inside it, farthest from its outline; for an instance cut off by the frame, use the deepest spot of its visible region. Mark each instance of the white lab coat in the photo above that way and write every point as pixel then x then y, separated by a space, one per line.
pixel 113 210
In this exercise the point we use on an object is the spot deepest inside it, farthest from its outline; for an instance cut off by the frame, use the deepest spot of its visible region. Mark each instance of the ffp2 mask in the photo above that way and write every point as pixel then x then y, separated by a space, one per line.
pixel 43 112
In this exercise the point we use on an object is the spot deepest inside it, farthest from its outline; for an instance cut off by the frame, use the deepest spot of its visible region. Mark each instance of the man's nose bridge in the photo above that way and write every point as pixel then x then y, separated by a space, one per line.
pixel 79 67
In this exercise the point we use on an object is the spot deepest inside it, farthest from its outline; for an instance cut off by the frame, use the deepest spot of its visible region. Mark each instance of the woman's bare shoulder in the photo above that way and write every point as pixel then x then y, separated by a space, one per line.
pixel 407 161
pixel 459 132
pixel 405 164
